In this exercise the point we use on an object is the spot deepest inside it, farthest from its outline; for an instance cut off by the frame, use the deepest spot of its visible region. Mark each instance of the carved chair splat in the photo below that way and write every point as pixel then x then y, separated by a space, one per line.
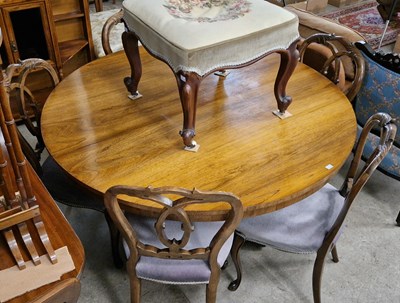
pixel 161 249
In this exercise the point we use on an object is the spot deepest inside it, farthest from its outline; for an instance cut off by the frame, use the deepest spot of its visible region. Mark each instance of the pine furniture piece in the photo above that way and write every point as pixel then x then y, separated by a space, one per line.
pixel 54 221
pixel 61 187
pixel 267 162
pixel 198 38
pixel 314 224
pixel 28 209
pixel 57 31
pixel 173 249
pixel 65 291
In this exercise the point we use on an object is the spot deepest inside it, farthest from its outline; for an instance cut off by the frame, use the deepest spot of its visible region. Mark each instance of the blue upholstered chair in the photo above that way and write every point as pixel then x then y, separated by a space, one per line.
pixel 179 251
pixel 314 224
pixel 380 92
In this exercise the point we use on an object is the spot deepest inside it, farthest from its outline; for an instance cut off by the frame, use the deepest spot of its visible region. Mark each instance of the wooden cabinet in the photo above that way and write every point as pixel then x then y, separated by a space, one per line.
pixel 55 30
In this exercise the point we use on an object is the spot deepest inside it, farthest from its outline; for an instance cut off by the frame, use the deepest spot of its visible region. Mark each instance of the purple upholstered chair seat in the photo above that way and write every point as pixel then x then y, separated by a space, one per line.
pixel 299 228
pixel 175 271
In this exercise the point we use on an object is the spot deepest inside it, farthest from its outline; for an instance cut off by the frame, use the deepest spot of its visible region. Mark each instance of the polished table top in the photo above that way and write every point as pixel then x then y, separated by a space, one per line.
pixel 102 138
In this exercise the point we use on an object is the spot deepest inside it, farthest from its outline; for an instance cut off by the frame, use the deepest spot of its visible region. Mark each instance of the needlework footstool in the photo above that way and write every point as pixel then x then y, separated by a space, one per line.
pixel 199 37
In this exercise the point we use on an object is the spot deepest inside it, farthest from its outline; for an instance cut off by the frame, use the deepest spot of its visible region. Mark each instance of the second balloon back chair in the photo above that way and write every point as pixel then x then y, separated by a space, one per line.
pixel 337 59
pixel 313 225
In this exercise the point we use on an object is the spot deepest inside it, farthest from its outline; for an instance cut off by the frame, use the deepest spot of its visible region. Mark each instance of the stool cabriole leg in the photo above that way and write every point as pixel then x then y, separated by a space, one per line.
pixel 131 46
pixel 289 60
pixel 188 85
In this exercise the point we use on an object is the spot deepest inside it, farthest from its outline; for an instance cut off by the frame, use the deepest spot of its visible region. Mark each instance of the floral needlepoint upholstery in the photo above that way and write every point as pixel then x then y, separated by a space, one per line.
pixel 207 11
pixel 202 35
pixel 380 92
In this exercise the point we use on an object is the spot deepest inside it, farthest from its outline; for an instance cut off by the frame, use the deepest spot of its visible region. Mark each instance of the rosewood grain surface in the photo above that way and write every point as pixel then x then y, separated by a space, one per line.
pixel 102 138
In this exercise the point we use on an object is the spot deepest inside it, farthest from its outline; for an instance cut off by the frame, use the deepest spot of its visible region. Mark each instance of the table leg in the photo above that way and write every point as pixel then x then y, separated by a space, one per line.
pixel 289 60
pixel 131 46
pixel 188 85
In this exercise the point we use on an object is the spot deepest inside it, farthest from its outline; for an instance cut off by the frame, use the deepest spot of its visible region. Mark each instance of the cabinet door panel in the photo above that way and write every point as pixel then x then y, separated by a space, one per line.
pixel 28 31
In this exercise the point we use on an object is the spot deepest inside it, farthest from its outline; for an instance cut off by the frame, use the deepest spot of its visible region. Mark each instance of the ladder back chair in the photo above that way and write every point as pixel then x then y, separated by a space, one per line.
pixel 61 186
pixel 171 248
pixel 314 224
pixel 336 58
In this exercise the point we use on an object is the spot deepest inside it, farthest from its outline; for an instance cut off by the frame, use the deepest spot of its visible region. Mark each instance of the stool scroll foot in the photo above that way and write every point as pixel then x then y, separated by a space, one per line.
pixel 131 46
pixel 187 136
pixel 281 115
pixel 135 96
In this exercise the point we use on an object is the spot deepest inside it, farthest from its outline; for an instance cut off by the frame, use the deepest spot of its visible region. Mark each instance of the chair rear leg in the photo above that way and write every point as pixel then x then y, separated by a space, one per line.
pixel 114 235
pixel 398 219
pixel 334 253
pixel 211 291
pixel 136 289
pixel 317 275
pixel 238 242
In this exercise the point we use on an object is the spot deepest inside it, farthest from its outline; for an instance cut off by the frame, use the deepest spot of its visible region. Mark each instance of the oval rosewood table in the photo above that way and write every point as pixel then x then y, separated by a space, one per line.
pixel 102 138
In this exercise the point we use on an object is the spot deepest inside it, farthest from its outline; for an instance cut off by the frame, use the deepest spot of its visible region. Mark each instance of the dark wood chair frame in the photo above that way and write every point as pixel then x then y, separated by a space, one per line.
pixel 348 50
pixel 174 248
pixel 355 179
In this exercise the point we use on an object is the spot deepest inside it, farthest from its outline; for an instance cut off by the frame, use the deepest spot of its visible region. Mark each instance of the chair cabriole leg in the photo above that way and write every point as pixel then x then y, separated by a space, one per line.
pixel 136 288
pixel 317 274
pixel 334 253
pixel 238 242
pixel 211 289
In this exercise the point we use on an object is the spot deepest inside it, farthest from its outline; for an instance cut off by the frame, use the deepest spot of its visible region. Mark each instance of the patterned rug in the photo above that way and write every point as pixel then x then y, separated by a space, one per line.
pixel 365 18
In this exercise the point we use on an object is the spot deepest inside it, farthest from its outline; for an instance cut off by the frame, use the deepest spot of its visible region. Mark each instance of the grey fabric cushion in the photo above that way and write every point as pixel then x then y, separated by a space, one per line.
pixel 299 228
pixel 173 271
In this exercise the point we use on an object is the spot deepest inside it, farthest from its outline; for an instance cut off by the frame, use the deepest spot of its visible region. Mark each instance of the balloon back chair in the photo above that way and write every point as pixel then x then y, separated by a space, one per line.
pixel 171 248
pixel 380 92
pixel 61 186
pixel 314 224
pixel 337 59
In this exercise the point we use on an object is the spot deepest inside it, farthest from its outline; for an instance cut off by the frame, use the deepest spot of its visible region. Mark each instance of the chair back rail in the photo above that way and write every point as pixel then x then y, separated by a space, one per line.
pixel 333 51
pixel 174 201
pixel 360 172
